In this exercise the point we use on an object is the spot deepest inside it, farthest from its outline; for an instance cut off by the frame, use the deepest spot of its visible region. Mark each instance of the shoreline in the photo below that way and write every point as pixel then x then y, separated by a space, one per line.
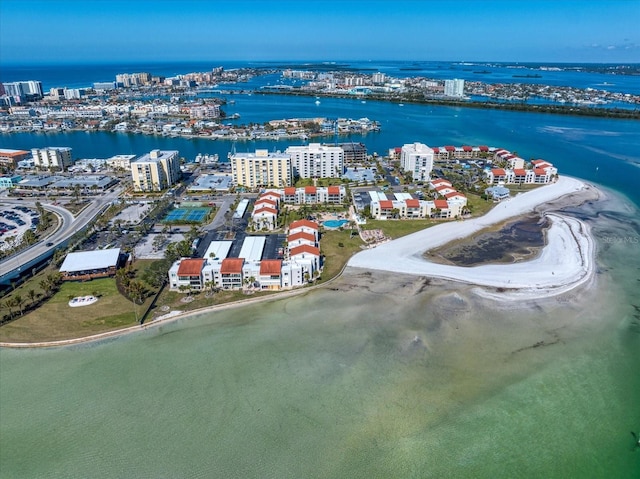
pixel 576 270
pixel 565 262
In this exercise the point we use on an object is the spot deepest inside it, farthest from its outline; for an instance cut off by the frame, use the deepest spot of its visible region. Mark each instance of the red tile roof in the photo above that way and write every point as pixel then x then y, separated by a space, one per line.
pixel 270 267
pixel 454 194
pixel 520 172
pixel 441 204
pixel 264 209
pixel 436 149
pixel 498 172
pixel 290 191
pixel 333 190
pixel 412 203
pixel 467 148
pixel 303 224
pixel 231 265
pixel 304 248
pixel 310 190
pixel 440 182
pixel 443 188
pixel 301 235
pixel 271 193
pixel 386 205
pixel 191 267
pixel 450 148
pixel 265 201
pixel 540 172
pixel 483 148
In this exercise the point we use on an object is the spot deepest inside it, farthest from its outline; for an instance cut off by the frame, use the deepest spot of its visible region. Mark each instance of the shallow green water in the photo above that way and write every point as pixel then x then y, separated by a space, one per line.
pixel 381 376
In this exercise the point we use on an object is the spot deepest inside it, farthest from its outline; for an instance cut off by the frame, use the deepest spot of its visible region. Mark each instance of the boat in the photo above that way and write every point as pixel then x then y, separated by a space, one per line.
pixel 317 102
pixel 82 301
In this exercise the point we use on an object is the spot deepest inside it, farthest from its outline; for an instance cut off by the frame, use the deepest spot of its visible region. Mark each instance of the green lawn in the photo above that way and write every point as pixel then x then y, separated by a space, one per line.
pixel 397 228
pixel 477 205
pixel 336 256
pixel 55 319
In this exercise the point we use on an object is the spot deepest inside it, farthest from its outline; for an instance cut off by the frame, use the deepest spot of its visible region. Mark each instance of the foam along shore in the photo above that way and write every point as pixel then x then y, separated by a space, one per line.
pixel 566 261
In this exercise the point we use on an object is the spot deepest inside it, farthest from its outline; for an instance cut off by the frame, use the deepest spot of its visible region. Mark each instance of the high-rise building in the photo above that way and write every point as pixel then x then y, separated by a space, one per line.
pixel 155 171
pixel 316 161
pixel 454 88
pixel 261 168
pixel 378 78
pixel 418 159
pixel 354 152
pixel 25 90
pixel 52 157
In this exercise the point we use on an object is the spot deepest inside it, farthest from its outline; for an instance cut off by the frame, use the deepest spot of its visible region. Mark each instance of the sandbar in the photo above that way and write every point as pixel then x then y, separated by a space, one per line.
pixel 566 261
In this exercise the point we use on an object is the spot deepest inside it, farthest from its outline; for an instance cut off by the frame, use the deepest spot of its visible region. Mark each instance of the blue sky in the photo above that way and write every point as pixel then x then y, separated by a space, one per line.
pixel 66 31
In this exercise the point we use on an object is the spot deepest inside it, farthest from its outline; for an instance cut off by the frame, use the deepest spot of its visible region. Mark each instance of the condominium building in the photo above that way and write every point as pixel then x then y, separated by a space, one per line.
pixel 155 171
pixel 454 88
pixel 27 90
pixel 260 169
pixel 316 161
pixel 120 162
pixel 417 158
pixel 10 158
pixel 52 157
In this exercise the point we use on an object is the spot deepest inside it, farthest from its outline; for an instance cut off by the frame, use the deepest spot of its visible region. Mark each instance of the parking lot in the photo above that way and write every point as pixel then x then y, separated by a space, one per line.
pixel 14 221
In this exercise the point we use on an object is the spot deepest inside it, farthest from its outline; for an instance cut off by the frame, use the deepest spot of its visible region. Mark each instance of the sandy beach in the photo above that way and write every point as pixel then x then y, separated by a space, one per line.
pixel 566 261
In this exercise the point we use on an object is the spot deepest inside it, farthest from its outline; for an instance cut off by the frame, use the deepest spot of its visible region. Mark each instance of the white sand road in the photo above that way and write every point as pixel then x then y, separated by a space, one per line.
pixel 566 261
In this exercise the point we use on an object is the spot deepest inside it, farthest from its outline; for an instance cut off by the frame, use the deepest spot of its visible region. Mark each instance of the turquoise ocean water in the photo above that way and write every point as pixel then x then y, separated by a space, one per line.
pixel 334 383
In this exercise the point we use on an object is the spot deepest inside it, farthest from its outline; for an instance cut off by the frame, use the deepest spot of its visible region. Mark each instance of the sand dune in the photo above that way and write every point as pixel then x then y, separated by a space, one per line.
pixel 564 263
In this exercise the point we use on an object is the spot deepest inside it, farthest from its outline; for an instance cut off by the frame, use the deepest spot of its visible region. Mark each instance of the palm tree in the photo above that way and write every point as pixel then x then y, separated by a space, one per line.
pixel 76 192
pixel 45 286
pixel 32 295
pixel 9 305
pixel 18 301
pixel 136 292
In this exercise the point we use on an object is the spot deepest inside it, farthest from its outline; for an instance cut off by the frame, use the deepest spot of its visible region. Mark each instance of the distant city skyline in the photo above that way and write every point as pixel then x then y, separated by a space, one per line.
pixel 99 31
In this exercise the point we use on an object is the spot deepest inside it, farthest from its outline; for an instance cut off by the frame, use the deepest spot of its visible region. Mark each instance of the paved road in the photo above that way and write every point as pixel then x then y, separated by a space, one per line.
pixel 70 225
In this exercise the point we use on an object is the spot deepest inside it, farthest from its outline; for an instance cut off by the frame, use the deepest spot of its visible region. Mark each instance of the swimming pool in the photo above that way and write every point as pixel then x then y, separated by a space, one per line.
pixel 334 223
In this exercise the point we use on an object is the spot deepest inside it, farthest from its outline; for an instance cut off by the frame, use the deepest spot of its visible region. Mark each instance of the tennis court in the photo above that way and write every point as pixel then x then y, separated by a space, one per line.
pixel 191 215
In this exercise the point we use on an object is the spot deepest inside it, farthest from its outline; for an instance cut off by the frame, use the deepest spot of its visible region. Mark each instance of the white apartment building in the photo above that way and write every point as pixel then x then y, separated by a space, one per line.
pixel 260 169
pixel 418 159
pixel 122 162
pixel 454 88
pixel 52 157
pixel 155 171
pixel 316 161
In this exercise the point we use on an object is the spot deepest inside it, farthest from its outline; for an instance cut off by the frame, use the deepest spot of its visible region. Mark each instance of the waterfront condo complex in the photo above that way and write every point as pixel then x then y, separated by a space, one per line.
pixel 253 170
pixel 417 158
pixel 155 171
pixel 316 161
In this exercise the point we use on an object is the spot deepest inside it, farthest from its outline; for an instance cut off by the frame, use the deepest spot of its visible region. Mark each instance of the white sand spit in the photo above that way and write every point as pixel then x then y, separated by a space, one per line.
pixel 564 263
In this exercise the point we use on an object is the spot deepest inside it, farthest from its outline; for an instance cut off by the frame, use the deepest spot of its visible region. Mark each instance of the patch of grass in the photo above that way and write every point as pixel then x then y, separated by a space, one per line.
pixel 55 319
pixel 477 205
pixel 173 300
pixel 336 256
pixel 396 228
pixel 514 189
